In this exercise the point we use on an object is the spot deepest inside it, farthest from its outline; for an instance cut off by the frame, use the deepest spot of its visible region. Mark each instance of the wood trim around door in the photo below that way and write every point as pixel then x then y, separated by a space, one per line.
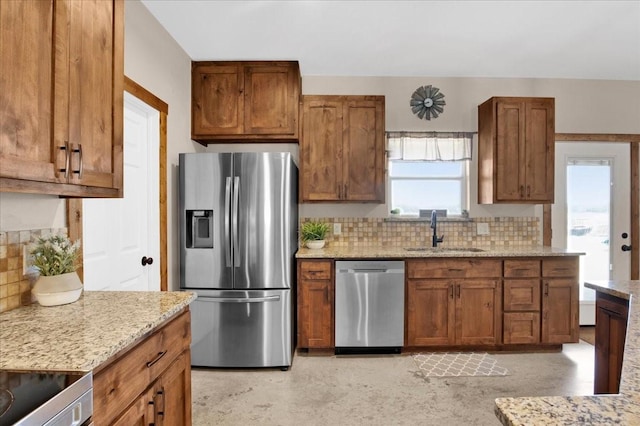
pixel 634 145
pixel 74 206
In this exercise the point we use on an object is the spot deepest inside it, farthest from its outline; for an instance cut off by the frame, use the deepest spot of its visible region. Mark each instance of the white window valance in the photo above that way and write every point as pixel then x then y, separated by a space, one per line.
pixel 429 146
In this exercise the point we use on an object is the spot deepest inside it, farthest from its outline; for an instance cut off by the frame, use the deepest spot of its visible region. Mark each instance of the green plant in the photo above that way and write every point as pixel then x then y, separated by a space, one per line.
pixel 395 211
pixel 313 231
pixel 55 255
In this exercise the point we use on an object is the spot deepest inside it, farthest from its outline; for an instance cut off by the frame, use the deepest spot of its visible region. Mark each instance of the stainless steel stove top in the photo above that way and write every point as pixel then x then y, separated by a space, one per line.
pixel 33 398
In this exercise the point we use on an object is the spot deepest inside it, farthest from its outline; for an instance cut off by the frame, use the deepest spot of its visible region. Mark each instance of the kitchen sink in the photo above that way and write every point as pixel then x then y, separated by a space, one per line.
pixel 446 249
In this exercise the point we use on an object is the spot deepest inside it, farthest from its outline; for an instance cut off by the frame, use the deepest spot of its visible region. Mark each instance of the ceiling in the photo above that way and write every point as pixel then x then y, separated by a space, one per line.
pixel 517 38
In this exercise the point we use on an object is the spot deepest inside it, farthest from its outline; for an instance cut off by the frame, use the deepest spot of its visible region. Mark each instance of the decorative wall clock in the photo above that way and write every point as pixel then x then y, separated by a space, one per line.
pixel 427 102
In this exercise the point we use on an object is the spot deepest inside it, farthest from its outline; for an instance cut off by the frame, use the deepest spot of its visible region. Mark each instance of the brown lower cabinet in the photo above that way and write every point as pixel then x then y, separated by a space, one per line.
pixel 611 328
pixel 149 383
pixel 315 304
pixel 461 311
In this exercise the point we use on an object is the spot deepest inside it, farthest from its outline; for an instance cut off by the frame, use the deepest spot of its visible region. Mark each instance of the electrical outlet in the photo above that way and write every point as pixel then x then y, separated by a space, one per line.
pixel 337 228
pixel 27 261
pixel 482 229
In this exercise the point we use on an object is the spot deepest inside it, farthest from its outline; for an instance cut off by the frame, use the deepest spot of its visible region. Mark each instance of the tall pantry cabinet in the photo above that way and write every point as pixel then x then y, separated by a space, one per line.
pixel 61 97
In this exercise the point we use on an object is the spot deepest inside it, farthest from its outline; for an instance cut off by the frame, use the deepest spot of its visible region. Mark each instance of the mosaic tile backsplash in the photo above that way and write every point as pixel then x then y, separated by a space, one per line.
pixel 15 287
pixel 503 232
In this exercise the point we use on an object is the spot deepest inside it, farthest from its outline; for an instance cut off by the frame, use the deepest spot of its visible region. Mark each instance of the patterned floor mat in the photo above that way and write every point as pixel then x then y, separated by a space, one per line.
pixel 458 364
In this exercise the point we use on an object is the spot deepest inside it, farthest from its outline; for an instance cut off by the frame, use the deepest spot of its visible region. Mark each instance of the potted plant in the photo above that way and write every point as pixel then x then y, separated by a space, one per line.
pixel 395 212
pixel 313 234
pixel 56 259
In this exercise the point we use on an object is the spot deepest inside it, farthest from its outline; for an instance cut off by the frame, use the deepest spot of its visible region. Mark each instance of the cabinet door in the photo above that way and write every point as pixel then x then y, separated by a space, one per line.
pixel 430 313
pixel 611 329
pixel 172 399
pixel 539 161
pixel 217 100
pixel 560 310
pixel 510 140
pixel 315 314
pixel 477 312
pixel 321 150
pixel 140 413
pixel 26 93
pixel 93 78
pixel 363 150
pixel 271 100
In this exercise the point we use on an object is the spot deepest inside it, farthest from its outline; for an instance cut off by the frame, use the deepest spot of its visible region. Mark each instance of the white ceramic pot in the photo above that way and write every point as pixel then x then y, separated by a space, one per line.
pixel 315 244
pixel 57 289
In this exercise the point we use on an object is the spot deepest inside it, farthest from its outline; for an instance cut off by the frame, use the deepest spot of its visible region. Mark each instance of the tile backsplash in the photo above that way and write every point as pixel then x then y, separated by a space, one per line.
pixel 15 287
pixel 503 232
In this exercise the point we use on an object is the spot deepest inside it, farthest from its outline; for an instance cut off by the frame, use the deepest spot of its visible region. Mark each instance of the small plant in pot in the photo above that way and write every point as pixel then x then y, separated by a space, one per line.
pixel 56 259
pixel 395 212
pixel 313 234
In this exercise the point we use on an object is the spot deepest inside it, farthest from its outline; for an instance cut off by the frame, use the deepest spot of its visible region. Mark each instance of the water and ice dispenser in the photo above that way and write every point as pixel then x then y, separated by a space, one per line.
pixel 199 229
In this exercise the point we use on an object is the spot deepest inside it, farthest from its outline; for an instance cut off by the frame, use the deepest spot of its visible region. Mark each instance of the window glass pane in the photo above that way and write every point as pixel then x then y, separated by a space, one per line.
pixel 412 195
pixel 426 168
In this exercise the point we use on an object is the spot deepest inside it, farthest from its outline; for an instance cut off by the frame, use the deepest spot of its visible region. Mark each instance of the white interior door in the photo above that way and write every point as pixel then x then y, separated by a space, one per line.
pixel 592 212
pixel 118 233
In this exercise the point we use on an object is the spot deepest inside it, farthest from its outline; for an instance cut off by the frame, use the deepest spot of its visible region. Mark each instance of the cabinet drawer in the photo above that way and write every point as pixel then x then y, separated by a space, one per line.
pixel 566 267
pixel 315 270
pixel 522 295
pixel 455 268
pixel 123 380
pixel 521 327
pixel 521 268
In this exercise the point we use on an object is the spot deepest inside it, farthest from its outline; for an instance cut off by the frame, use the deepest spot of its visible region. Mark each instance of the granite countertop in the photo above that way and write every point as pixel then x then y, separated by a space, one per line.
pixel 82 335
pixel 623 408
pixel 377 251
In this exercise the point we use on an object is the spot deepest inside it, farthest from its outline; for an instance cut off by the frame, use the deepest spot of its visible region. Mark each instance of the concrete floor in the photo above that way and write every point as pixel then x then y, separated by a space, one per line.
pixel 380 390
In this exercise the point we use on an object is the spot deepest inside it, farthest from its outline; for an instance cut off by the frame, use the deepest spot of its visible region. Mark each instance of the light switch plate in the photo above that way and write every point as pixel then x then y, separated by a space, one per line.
pixel 482 229
pixel 337 228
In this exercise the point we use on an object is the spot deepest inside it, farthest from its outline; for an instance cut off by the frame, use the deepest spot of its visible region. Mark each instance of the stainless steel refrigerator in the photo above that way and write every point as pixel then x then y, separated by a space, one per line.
pixel 238 237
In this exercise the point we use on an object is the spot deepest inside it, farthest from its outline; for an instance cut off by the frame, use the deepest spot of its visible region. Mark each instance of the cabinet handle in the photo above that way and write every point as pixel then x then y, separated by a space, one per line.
pixel 528 191
pixel 160 395
pixel 67 154
pixel 546 288
pixel 451 291
pixel 345 190
pixel 156 359
pixel 326 292
pixel 458 290
pixel 522 190
pixel 339 191
pixel 79 151
pixel 455 270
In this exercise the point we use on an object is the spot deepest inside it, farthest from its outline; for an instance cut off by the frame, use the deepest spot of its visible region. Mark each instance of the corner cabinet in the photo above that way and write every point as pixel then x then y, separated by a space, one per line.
pixel 315 304
pixel 61 97
pixel 342 149
pixel 251 101
pixel 149 383
pixel 516 139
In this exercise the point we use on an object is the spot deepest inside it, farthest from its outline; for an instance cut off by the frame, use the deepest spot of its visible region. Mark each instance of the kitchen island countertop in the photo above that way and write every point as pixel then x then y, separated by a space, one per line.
pixel 382 252
pixel 623 408
pixel 82 335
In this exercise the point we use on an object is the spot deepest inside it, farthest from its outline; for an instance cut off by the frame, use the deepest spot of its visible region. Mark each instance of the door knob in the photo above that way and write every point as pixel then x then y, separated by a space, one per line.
pixel 626 247
pixel 146 260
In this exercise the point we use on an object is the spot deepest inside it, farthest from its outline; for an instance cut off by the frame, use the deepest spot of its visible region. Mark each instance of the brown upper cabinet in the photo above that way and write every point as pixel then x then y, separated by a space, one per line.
pixel 516 150
pixel 236 101
pixel 342 150
pixel 61 97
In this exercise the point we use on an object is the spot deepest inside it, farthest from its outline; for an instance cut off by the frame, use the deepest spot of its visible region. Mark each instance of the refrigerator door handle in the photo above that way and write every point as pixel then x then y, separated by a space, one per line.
pixel 275 298
pixel 234 216
pixel 227 239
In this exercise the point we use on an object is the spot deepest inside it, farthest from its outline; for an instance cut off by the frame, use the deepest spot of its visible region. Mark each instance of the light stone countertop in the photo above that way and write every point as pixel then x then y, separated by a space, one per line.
pixel 380 252
pixel 620 409
pixel 82 335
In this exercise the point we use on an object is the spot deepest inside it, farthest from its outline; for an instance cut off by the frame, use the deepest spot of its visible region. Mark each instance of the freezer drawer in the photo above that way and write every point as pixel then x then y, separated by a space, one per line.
pixel 241 329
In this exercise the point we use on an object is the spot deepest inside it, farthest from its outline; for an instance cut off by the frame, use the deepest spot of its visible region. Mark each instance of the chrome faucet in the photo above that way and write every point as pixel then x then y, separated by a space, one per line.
pixel 434 225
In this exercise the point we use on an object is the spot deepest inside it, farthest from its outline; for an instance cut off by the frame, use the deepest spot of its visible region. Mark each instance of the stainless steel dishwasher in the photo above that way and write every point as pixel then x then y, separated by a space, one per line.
pixel 369 306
